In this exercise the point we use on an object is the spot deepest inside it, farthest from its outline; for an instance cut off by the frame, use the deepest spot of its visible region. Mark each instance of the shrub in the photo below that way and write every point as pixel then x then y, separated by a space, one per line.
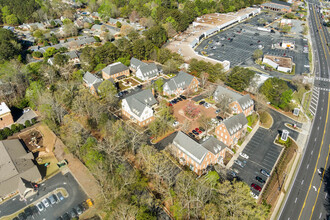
pixel 2 135
pixel 37 54
pixel 14 128
pixel 34 120
pixel 7 132
pixel 27 123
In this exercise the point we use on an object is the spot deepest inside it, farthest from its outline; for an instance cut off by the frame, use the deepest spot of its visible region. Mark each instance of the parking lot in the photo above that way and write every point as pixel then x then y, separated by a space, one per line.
pixel 262 151
pixel 75 196
pixel 238 43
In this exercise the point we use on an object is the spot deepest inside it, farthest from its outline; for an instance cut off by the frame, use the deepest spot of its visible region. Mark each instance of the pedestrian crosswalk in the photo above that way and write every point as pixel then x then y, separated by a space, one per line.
pixel 314 101
pixel 322 79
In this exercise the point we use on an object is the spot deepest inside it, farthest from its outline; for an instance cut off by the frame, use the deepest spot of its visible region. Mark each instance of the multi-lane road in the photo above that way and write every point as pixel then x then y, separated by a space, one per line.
pixel 306 196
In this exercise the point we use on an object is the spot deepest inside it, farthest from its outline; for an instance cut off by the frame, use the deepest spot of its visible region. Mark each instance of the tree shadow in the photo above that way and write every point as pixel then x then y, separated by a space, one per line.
pixel 326 180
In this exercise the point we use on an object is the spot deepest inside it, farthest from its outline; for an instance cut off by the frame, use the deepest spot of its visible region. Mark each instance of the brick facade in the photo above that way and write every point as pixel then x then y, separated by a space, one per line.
pixel 236 109
pixel 210 159
pixel 223 135
pixel 105 76
pixel 6 120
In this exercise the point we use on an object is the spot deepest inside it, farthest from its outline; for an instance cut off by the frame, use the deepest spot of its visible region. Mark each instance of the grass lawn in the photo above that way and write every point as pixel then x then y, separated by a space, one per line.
pixel 52 168
pixel 283 166
pixel 298 95
pixel 252 119
pixel 122 87
pixel 139 80
pixel 266 119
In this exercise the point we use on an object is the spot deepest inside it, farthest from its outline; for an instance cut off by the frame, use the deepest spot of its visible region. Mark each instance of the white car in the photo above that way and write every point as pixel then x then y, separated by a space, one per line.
pixel 207 105
pixel 254 195
pixel 244 155
pixel 45 202
pixel 40 206
pixel 175 123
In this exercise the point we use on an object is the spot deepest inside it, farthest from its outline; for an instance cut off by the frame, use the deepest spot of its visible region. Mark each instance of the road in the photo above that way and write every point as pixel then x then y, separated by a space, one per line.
pixel 306 196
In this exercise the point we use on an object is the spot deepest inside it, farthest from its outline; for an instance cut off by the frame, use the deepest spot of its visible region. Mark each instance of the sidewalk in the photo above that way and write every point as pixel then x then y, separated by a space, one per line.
pixel 241 148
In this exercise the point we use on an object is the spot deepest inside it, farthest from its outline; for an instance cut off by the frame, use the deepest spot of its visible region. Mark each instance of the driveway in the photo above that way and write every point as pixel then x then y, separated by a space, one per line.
pixel 262 151
pixel 75 196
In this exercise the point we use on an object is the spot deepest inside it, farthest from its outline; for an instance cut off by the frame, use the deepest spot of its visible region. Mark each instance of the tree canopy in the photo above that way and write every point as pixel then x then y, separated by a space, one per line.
pixel 277 92
pixel 239 78
pixel 9 47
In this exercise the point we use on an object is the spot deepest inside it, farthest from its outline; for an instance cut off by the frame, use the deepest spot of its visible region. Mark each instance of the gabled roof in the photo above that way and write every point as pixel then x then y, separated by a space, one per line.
pixel 149 70
pixel 72 54
pixel 181 80
pixel 235 123
pixel 136 64
pixel 213 145
pixel 190 147
pixel 139 101
pixel 197 151
pixel 114 68
pixel 15 163
pixel 91 79
pixel 244 101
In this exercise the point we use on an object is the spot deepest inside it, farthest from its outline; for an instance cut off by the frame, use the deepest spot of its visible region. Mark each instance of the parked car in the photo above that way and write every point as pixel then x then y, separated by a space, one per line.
pixel 179 99
pixel 219 118
pixel 66 216
pixel 59 218
pixel 233 174
pixel 73 213
pixel 240 163
pixel 183 97
pixel 175 123
pixel 59 196
pixel 79 209
pixel 254 195
pixel 89 202
pixel 217 111
pixel 28 211
pixel 264 172
pixel 244 155
pixel 84 205
pixel 191 135
pixel 260 180
pixel 45 202
pixel 207 105
pixel 170 104
pixel 40 206
pixel 22 216
pixel 256 187
pixel 195 132
pixel 34 209
pixel 52 199
pixel 201 129
pixel 201 102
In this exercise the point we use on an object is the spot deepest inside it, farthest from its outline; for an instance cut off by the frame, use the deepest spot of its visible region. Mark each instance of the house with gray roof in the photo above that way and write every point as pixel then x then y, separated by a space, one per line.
pixel 182 82
pixel 18 171
pixel 230 130
pixel 144 71
pixel 139 107
pixel 237 102
pixel 198 155
pixel 115 71
pixel 92 82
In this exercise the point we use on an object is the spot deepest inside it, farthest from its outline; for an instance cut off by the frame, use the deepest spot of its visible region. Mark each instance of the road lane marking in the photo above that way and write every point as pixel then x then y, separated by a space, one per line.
pixel 302 182
pixel 320 215
pixel 295 201
pixel 317 161
pixel 315 188
pixel 312 152
pixel 307 166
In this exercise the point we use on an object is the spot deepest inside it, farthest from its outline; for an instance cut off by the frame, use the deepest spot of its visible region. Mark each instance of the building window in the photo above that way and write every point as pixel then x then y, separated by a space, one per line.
pixel 221 134
pixel 226 137
pixel 217 131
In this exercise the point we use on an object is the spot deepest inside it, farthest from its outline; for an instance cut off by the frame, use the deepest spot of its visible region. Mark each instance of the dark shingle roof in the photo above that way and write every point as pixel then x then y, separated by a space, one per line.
pixel 213 145
pixel 136 64
pixel 244 101
pixel 235 123
pixel 115 68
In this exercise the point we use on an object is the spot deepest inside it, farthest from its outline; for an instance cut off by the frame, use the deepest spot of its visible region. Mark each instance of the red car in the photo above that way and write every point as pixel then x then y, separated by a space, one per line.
pixel 197 130
pixel 256 187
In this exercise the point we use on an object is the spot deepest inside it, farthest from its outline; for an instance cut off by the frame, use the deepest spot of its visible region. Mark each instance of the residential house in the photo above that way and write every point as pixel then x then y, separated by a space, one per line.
pixel 139 107
pixel 115 71
pixel 230 130
pixel 18 171
pixel 73 57
pixel 198 156
pixel 238 103
pixel 92 82
pixel 282 64
pixel 6 119
pixel 179 84
pixel 144 71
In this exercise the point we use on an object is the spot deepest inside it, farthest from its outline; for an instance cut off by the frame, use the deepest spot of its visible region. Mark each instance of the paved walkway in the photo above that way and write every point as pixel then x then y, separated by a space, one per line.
pixel 241 148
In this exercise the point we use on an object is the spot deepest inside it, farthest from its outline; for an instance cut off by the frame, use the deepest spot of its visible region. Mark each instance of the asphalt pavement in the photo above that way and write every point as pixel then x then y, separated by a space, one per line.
pixel 306 197
pixel 75 196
